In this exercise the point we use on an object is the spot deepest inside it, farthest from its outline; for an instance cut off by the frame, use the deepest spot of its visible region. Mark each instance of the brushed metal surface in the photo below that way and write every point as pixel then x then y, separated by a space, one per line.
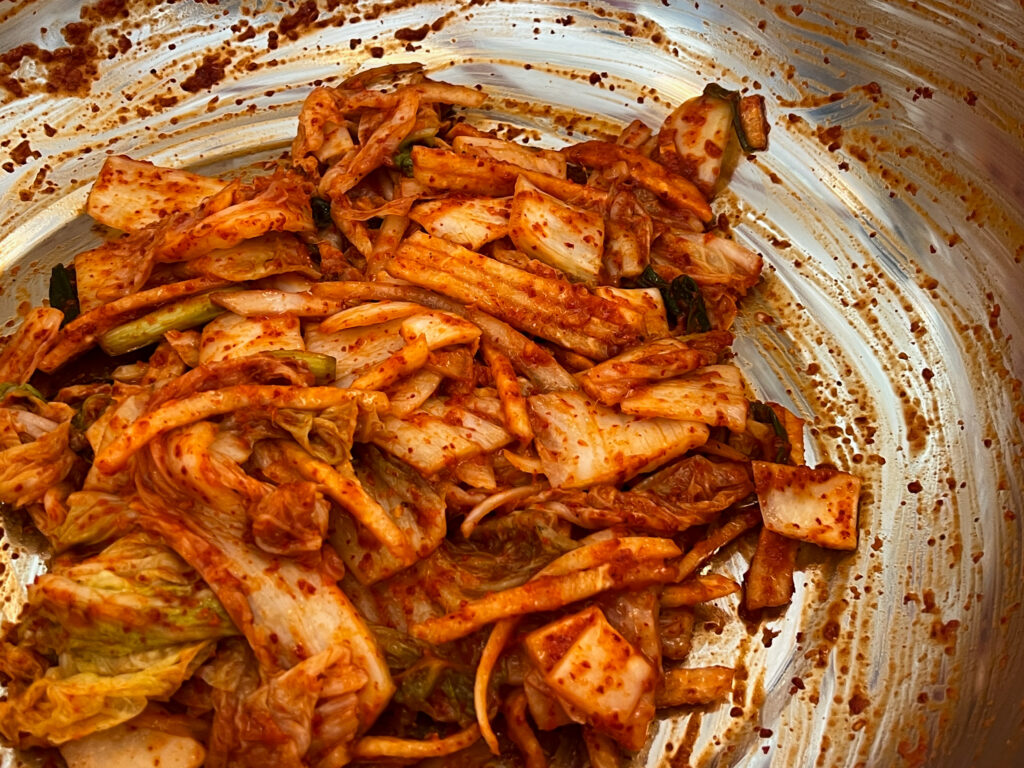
pixel 889 211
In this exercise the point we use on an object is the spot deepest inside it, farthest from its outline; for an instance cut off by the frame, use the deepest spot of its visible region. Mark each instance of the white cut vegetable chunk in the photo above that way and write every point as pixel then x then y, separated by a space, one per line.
pixel 108 272
pixel 357 349
pixel 438 436
pixel 540 160
pixel 411 393
pixel 128 746
pixel 647 301
pixel 275 253
pixel 439 329
pixel 611 382
pixel 712 395
pixel 693 140
pixel 600 678
pixel 545 709
pixel 815 505
pixel 266 302
pixel 628 232
pixel 21 352
pixel 471 222
pixel 132 194
pixel 561 235
pixel 711 260
pixel 363 315
pixel 232 336
pixel 581 442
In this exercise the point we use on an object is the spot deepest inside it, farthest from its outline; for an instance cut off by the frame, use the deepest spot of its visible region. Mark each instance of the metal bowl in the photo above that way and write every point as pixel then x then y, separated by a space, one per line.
pixel 888 209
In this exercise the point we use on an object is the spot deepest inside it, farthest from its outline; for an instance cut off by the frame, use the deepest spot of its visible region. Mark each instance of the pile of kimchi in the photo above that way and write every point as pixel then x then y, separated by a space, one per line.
pixel 419 441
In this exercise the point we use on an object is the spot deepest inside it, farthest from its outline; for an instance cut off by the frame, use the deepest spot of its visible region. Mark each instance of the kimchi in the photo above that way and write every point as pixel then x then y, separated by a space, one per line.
pixel 422 442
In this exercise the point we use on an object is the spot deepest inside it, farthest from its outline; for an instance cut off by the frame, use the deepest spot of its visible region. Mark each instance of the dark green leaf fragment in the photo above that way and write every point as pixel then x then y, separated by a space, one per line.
pixel 321 212
pixel 684 303
pixel 438 688
pixel 716 91
pixel 689 304
pixel 766 415
pixel 401 650
pixel 649 278
pixel 90 410
pixel 748 118
pixel 64 292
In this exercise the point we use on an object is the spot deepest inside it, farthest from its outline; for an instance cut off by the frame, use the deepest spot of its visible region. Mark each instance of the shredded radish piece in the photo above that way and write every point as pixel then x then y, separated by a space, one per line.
pixel 496 642
pixel 492 502
pixel 374 747
pixel 529 464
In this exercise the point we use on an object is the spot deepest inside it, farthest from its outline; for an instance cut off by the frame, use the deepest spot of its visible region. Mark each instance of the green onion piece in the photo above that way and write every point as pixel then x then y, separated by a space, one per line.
pixel 323 367
pixel 403 161
pixel 91 409
pixel 423 132
pixel 25 390
pixel 64 292
pixel 321 212
pixel 136 334
pixel 766 415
